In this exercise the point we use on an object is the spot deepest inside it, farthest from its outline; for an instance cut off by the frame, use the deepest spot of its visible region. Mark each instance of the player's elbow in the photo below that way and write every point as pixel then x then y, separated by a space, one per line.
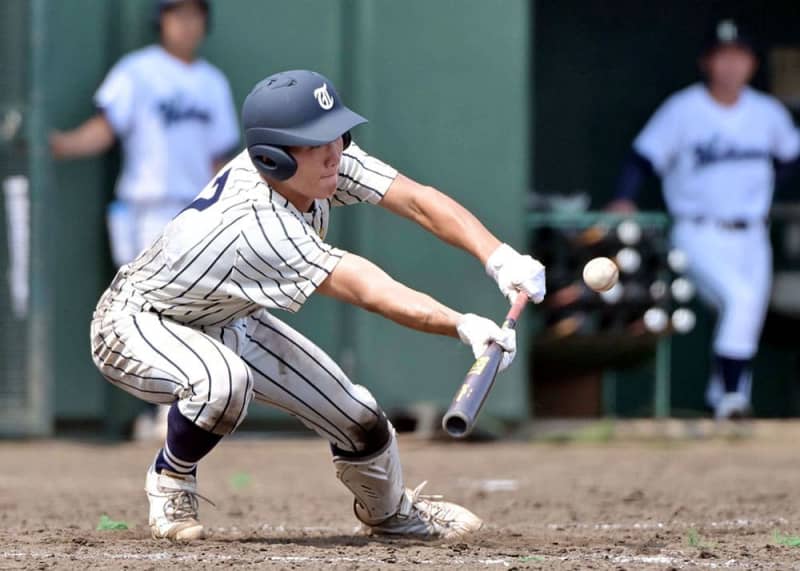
pixel 418 204
pixel 359 282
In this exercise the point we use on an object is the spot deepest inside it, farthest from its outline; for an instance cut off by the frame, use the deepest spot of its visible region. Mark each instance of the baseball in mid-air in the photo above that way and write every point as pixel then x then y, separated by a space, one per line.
pixel 600 274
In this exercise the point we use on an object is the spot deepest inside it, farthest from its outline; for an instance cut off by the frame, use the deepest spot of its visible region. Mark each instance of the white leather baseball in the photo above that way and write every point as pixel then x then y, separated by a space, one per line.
pixel 600 274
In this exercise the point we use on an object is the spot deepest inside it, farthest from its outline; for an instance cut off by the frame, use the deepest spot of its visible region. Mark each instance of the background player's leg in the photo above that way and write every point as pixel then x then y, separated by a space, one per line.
pixel 738 286
pixel 741 324
pixel 121 222
pixel 292 373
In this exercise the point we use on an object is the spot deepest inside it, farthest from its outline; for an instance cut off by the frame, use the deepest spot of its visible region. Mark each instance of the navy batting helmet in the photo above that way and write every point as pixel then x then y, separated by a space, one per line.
pixel 161 6
pixel 293 108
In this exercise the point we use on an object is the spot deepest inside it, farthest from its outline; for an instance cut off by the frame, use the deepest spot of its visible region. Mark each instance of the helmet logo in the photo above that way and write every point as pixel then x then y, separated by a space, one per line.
pixel 323 97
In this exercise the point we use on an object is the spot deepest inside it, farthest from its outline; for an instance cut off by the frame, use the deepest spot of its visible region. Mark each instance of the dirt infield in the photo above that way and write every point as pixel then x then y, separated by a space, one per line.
pixel 615 505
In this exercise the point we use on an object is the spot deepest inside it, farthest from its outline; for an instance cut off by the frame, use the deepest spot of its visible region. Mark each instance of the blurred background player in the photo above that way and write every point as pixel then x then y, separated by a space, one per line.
pixel 718 146
pixel 174 116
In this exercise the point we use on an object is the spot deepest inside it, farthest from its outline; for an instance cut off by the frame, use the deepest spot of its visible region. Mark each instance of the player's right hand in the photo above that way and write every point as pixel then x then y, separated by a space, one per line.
pixel 478 332
pixel 516 273
pixel 621 206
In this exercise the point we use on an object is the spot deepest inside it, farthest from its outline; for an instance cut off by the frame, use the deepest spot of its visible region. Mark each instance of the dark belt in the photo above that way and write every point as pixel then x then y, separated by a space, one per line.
pixel 734 224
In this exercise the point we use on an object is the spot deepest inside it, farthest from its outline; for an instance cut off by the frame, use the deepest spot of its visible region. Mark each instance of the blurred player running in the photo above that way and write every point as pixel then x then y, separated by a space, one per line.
pixel 714 145
pixel 190 321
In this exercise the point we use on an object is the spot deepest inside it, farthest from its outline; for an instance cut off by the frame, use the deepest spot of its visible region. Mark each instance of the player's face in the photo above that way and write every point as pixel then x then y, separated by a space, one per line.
pixel 183 28
pixel 731 67
pixel 317 169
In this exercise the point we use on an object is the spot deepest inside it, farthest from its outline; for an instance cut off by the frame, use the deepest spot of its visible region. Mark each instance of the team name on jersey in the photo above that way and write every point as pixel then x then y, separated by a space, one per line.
pixel 175 110
pixel 713 152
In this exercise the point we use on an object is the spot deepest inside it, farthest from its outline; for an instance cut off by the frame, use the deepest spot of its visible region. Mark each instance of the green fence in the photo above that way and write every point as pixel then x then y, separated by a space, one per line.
pixel 25 350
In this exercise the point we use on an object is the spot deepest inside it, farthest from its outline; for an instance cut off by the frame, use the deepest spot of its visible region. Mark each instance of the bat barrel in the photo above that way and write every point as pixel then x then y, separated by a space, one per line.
pixel 456 424
pixel 460 418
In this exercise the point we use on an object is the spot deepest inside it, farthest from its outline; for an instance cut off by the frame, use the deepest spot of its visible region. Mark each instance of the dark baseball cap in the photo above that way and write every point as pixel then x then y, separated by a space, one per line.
pixel 167 4
pixel 728 32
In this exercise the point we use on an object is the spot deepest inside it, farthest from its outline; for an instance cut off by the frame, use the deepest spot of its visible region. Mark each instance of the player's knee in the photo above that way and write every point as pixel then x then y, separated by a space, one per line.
pixel 755 306
pixel 371 431
pixel 746 310
pixel 228 400
pixel 364 408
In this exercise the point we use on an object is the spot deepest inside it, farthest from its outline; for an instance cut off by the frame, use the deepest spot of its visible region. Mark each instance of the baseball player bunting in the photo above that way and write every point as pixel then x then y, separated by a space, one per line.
pixel 190 322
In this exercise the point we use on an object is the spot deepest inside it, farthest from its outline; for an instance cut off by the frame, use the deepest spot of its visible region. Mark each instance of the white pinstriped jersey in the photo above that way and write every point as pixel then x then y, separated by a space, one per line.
pixel 241 246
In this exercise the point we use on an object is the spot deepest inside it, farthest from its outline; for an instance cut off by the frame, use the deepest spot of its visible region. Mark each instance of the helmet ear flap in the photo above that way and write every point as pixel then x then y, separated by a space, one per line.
pixel 273 162
pixel 346 139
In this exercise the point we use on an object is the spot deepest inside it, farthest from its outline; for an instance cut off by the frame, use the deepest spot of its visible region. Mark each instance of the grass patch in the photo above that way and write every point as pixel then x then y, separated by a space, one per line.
pixel 595 433
pixel 531 558
pixel 602 431
pixel 241 480
pixel 108 524
pixel 694 540
pixel 787 540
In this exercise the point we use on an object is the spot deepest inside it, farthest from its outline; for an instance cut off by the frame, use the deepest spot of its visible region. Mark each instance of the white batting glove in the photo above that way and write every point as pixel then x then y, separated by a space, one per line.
pixel 514 272
pixel 478 332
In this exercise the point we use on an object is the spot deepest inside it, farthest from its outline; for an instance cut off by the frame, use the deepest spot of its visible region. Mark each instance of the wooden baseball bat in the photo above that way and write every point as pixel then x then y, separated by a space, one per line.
pixel 460 417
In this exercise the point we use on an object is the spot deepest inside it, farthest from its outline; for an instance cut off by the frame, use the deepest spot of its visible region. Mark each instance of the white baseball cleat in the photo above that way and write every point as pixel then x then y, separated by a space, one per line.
pixel 173 506
pixel 732 406
pixel 426 517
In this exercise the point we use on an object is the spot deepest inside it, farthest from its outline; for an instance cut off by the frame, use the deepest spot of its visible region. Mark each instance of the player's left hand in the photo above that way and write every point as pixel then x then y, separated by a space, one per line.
pixel 514 272
pixel 478 332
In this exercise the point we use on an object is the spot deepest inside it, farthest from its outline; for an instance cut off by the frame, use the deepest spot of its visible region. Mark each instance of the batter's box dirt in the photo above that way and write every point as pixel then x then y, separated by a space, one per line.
pixel 710 504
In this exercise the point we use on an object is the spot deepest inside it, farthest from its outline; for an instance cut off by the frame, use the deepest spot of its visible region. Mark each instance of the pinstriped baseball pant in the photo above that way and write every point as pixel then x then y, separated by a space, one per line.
pixel 214 373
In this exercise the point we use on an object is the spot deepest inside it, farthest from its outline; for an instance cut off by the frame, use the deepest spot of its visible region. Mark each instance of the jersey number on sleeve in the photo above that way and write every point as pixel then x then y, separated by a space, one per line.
pixel 201 204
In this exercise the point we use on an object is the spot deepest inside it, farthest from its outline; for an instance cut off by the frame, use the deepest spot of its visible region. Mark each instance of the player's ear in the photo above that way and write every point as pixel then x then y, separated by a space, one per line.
pixel 756 62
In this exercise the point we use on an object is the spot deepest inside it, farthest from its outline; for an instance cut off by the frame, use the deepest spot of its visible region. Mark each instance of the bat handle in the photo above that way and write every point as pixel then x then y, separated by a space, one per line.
pixel 513 314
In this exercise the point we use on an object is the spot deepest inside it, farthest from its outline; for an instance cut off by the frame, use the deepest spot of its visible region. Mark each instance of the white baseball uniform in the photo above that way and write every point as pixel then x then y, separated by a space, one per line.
pixel 174 119
pixel 718 179
pixel 190 319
